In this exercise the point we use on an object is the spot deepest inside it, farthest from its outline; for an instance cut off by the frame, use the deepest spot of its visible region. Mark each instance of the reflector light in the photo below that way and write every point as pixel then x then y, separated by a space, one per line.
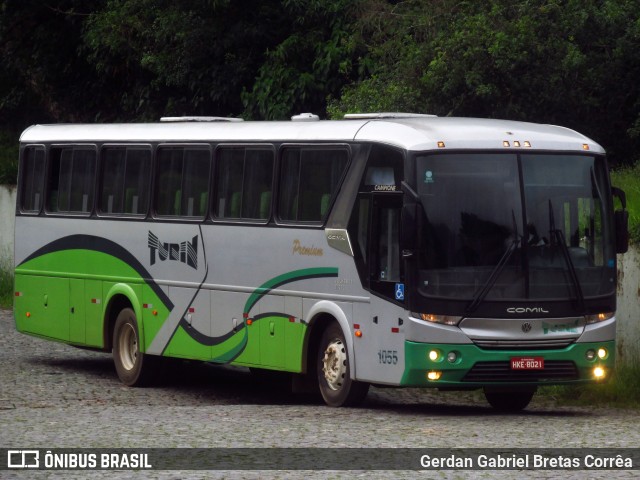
pixel 249 321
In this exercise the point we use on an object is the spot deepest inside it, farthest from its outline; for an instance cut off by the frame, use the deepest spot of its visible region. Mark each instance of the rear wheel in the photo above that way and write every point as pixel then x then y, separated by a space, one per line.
pixel 334 372
pixel 135 369
pixel 509 400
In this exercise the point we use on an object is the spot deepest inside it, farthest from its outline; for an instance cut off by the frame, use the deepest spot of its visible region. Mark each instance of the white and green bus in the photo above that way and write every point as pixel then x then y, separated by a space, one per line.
pixel 388 249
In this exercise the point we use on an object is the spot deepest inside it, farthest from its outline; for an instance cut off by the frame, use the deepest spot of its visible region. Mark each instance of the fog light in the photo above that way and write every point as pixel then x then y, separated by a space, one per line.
pixel 434 375
pixel 590 355
pixel 452 357
pixel 434 355
pixel 602 353
pixel 598 372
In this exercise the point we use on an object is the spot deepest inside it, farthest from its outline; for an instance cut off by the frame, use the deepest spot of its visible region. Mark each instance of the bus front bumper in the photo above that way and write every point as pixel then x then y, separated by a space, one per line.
pixel 469 366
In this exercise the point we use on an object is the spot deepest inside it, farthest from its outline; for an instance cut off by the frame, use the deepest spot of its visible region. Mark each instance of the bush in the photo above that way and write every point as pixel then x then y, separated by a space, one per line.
pixel 628 179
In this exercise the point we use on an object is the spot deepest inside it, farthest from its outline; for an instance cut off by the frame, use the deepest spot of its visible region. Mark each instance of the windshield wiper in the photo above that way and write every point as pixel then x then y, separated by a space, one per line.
pixel 497 270
pixel 559 237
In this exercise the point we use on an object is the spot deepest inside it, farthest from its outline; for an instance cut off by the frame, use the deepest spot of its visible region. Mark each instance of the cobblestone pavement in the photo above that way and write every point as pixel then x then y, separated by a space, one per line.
pixel 55 396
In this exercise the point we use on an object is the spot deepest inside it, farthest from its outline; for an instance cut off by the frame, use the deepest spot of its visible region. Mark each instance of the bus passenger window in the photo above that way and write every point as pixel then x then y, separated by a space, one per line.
pixel 71 179
pixel 244 183
pixel 125 180
pixel 32 179
pixel 182 181
pixel 309 180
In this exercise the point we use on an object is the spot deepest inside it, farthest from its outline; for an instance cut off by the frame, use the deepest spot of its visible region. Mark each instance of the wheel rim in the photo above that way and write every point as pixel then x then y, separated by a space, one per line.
pixel 128 347
pixel 334 364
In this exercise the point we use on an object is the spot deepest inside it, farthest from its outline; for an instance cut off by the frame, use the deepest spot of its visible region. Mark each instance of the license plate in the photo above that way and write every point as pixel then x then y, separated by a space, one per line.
pixel 527 363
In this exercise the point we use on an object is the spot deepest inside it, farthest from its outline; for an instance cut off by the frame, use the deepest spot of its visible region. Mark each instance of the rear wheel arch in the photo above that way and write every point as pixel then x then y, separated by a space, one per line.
pixel 119 297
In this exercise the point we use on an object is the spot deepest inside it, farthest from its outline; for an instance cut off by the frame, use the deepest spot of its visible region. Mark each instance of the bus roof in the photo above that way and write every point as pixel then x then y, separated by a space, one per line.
pixel 411 133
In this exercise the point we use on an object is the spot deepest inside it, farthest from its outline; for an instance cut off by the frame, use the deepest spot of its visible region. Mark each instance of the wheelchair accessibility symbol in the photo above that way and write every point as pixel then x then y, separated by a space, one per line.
pixel 399 291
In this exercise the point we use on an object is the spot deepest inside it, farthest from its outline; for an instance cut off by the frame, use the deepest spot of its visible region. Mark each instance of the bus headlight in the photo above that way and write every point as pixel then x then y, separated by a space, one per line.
pixel 602 353
pixel 442 319
pixel 599 317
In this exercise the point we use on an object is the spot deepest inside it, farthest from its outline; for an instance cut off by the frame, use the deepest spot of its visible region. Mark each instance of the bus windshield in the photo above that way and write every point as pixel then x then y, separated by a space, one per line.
pixel 514 226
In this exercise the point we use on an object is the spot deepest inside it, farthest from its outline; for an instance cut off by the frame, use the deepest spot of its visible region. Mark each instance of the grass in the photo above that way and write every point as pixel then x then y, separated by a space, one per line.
pixel 6 287
pixel 621 391
pixel 628 179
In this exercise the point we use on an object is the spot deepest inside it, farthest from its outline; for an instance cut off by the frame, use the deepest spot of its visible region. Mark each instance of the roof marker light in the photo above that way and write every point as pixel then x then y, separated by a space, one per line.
pixel 516 144
pixel 441 144
pixel 527 144
pixel 505 143
pixel 585 146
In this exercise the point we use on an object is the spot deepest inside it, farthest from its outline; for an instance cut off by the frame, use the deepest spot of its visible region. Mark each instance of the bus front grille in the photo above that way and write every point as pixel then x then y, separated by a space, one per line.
pixel 544 344
pixel 501 372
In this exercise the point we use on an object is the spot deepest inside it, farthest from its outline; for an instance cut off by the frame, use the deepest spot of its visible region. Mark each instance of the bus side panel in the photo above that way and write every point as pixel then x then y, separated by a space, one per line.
pixel 379 352
pixel 94 316
pixel 195 318
pixel 42 306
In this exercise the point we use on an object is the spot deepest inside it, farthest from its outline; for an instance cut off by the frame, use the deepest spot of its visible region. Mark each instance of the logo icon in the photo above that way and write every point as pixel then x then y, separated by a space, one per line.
pixel 184 252
pixel 23 459
pixel 526 327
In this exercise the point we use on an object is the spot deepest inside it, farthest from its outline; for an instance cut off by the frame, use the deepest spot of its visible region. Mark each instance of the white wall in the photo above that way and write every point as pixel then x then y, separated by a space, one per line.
pixel 628 310
pixel 7 221
pixel 628 313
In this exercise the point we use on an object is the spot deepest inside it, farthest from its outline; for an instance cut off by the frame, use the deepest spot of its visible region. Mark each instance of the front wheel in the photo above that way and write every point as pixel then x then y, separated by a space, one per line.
pixel 135 369
pixel 509 401
pixel 334 372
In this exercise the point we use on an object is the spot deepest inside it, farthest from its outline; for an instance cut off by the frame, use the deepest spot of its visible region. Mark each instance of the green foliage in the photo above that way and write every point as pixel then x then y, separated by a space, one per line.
pixel 628 179
pixel 6 284
pixel 313 61
pixel 572 63
pixel 568 62
pixel 622 391
pixel 8 158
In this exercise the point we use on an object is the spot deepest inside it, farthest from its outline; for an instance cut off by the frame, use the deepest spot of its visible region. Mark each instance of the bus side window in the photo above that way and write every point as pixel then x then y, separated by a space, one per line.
pixel 245 177
pixel 182 181
pixel 125 180
pixel 71 179
pixel 32 188
pixel 309 180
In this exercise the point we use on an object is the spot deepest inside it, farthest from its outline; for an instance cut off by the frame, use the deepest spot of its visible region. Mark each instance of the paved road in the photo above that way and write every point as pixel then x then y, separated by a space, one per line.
pixel 54 396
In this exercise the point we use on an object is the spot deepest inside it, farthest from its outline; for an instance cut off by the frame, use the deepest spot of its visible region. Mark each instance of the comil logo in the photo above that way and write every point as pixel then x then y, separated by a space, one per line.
pixel 23 459
pixel 184 252
pixel 527 310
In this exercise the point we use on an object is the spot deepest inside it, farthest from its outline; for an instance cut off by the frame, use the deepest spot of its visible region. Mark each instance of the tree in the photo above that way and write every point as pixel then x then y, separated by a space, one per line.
pixel 572 62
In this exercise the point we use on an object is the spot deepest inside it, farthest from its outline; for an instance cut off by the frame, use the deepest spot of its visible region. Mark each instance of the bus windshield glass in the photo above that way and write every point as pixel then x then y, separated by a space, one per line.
pixel 514 226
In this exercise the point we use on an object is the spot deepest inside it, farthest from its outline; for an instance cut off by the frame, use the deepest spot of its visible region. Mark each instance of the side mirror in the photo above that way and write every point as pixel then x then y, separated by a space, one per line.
pixel 621 221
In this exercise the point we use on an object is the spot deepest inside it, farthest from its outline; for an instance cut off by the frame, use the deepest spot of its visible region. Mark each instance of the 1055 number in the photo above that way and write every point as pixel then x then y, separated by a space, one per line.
pixel 388 357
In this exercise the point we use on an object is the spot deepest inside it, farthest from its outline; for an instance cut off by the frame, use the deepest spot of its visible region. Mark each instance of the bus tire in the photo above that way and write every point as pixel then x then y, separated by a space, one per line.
pixel 135 369
pixel 509 400
pixel 337 387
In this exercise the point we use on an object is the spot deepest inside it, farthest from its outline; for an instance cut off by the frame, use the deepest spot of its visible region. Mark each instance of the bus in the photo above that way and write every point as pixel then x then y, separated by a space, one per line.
pixel 384 249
